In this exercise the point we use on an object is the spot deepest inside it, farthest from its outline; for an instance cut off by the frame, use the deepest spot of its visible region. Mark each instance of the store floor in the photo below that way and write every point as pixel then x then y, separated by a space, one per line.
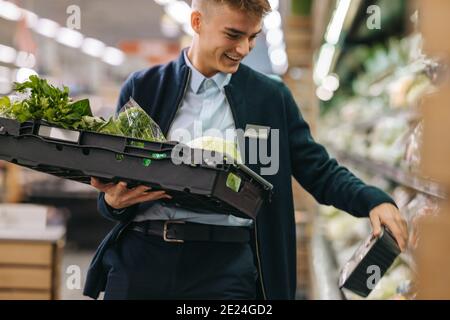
pixel 74 264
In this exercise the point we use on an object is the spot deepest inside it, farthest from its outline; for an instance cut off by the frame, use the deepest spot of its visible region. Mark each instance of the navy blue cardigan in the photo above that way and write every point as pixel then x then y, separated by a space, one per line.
pixel 259 100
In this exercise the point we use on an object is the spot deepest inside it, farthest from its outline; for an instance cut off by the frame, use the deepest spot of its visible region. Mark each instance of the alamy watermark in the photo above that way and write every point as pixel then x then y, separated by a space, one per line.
pixel 227 148
pixel 74 19
pixel 73 280
pixel 374 20
pixel 375 276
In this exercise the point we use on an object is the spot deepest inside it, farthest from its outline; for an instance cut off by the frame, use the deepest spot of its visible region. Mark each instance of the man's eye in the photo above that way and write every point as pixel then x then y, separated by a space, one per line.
pixel 233 36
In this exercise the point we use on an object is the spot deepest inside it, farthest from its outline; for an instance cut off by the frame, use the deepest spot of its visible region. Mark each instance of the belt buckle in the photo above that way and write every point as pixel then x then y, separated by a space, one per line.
pixel 166 224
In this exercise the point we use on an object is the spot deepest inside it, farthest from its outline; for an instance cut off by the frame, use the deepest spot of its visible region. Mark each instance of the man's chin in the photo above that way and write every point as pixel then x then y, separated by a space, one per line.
pixel 230 69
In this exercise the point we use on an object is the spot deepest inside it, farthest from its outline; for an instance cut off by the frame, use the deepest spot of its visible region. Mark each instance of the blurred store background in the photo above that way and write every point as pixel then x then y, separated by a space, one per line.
pixel 368 75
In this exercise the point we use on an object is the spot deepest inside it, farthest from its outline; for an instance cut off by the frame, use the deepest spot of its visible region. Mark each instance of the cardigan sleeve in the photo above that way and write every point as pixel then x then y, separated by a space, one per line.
pixel 322 176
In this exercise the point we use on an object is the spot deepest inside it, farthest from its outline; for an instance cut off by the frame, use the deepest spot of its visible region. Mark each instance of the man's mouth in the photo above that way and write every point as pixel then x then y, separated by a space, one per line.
pixel 233 58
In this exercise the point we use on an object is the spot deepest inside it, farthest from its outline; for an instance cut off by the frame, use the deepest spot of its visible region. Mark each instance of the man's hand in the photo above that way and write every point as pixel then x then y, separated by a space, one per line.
pixel 388 215
pixel 118 196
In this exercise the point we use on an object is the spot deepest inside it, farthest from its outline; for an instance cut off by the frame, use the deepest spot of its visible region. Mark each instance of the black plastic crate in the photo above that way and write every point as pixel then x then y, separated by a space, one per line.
pixel 373 255
pixel 80 155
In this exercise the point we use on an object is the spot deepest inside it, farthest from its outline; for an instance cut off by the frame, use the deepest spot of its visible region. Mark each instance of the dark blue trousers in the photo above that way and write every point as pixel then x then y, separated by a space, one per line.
pixel 146 267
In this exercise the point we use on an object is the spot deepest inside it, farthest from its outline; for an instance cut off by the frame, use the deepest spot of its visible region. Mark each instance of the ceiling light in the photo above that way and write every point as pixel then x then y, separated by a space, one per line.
pixel 324 94
pixel 25 60
pixel 274 37
pixel 47 27
pixel 280 69
pixel 70 37
pixel 331 82
pixel 323 64
pixel 272 20
pixel 179 11
pixel 24 73
pixel 163 2
pixel 113 56
pixel 5 74
pixel 10 11
pixel 274 4
pixel 7 54
pixel 93 47
pixel 31 18
pixel 337 22
pixel 278 57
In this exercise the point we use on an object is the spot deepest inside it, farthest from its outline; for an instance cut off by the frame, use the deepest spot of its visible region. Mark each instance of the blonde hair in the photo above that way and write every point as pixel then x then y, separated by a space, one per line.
pixel 258 8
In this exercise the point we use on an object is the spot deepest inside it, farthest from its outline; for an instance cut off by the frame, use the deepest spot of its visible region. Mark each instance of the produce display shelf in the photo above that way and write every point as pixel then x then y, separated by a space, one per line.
pixel 392 173
pixel 325 270
pixel 409 114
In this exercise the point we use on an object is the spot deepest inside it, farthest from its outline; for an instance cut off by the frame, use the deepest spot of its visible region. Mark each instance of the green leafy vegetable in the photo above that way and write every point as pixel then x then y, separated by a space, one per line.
pixel 111 127
pixel 46 102
pixel 43 101
pixel 134 122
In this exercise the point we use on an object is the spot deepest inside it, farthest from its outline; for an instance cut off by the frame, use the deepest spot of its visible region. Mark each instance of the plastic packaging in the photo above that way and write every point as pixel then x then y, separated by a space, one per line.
pixel 369 263
pixel 134 122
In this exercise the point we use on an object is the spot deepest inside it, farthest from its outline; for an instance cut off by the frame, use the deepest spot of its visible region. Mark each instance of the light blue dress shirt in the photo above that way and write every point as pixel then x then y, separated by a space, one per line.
pixel 204 111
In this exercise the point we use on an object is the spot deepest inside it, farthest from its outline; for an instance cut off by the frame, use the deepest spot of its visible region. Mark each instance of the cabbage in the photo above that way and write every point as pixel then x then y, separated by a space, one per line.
pixel 226 147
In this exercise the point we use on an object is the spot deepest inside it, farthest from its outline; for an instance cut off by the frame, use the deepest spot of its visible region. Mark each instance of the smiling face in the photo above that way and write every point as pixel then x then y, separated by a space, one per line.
pixel 223 37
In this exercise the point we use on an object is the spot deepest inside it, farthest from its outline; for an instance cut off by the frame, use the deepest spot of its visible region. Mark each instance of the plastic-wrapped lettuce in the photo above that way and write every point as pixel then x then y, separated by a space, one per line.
pixel 134 122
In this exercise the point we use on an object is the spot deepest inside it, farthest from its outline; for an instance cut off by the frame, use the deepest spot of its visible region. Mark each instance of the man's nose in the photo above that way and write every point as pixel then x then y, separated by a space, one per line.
pixel 243 48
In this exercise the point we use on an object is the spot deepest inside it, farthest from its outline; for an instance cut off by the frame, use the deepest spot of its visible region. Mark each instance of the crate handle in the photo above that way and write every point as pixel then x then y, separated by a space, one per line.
pixel 267 185
pixel 149 145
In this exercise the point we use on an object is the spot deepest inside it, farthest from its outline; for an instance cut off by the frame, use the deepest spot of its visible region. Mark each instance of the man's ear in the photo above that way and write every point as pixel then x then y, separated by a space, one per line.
pixel 196 21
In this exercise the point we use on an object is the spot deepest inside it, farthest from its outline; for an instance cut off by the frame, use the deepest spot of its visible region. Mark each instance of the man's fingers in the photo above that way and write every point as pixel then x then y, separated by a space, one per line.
pixel 405 230
pixel 402 226
pixel 376 226
pixel 391 217
pixel 121 188
pixel 151 196
pixel 140 189
pixel 398 235
pixel 120 196
pixel 101 186
pixel 135 193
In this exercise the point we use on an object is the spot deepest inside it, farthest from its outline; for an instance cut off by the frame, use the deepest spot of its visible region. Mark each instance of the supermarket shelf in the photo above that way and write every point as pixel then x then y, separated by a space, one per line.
pixel 61 195
pixel 392 173
pixel 324 268
pixel 58 188
pixel 410 114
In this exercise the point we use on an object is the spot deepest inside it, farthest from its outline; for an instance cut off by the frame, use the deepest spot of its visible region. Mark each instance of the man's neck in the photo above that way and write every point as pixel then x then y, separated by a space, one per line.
pixel 194 58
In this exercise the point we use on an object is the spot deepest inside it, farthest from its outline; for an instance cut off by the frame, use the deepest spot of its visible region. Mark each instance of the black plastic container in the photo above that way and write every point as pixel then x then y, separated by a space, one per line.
pixel 375 255
pixel 80 155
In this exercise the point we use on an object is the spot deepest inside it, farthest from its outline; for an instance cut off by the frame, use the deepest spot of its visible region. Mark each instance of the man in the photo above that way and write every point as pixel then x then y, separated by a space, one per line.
pixel 253 259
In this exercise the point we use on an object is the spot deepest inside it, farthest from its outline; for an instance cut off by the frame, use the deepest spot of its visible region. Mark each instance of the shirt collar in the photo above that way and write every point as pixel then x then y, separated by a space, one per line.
pixel 220 79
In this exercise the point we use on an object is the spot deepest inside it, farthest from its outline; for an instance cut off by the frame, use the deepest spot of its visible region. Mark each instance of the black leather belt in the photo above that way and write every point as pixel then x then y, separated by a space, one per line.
pixel 180 231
